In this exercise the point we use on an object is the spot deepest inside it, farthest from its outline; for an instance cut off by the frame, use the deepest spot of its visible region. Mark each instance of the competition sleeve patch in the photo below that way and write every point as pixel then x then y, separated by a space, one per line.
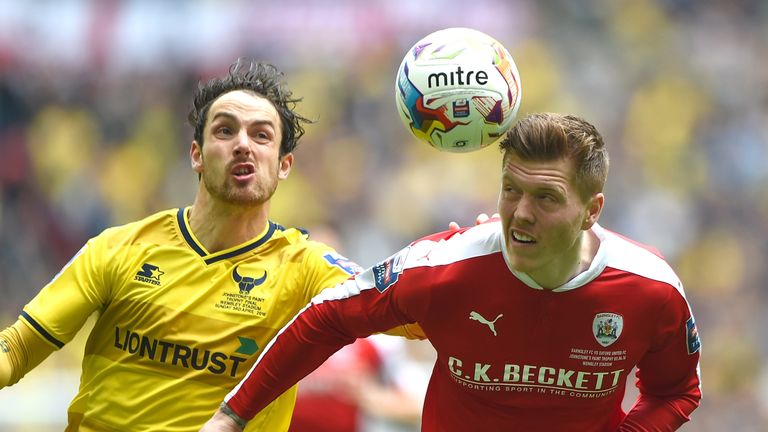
pixel 386 272
pixel 343 263
pixel 694 343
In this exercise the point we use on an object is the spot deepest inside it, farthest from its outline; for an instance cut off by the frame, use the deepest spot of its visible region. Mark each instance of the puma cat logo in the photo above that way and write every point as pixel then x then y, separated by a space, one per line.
pixel 477 317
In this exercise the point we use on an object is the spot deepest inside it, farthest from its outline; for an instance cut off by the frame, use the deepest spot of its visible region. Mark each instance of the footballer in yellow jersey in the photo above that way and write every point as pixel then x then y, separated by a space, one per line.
pixel 182 316
pixel 177 327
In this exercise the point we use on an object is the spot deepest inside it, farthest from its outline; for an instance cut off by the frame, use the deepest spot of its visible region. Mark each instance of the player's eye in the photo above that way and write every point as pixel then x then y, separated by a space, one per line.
pixel 509 190
pixel 223 131
pixel 549 198
pixel 263 136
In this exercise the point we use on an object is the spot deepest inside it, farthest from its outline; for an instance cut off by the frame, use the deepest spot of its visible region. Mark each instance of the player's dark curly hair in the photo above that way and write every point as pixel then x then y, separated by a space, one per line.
pixel 261 78
pixel 551 136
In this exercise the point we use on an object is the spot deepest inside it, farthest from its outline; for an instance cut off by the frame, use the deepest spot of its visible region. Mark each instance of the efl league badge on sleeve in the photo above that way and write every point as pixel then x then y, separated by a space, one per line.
pixel 694 343
pixel 607 327
pixel 386 272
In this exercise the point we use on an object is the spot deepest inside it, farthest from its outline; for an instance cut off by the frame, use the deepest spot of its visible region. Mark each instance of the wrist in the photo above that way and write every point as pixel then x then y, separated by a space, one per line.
pixel 226 410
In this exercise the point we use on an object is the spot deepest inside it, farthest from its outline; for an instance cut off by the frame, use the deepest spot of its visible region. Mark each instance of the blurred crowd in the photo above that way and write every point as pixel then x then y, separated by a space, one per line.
pixel 94 97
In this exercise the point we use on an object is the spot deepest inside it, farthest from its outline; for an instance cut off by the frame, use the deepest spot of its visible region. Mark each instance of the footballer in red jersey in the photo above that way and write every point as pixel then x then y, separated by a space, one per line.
pixel 537 318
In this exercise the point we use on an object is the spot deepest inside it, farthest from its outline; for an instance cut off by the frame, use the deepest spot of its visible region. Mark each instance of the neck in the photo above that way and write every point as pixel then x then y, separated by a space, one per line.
pixel 219 226
pixel 575 262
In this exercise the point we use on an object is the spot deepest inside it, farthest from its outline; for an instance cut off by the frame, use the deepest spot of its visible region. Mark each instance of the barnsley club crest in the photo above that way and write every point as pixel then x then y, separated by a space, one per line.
pixel 607 327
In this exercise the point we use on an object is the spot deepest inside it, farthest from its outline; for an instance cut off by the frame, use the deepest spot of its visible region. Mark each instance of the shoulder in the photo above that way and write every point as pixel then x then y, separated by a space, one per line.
pixel 295 240
pixel 625 254
pixel 297 244
pixel 450 246
pixel 155 227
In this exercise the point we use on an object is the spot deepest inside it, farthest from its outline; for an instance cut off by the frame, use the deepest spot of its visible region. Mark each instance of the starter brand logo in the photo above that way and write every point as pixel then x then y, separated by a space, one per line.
pixel 149 273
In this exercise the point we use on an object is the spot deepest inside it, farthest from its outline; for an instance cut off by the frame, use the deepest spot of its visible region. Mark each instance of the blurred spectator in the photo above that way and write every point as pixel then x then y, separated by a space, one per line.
pixel 357 390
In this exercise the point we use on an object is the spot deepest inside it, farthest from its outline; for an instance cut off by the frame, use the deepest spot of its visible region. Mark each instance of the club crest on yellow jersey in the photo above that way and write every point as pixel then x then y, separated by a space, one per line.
pixel 246 283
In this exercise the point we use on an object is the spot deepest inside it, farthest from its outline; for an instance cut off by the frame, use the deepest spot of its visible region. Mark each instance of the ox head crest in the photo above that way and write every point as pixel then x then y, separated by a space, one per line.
pixel 246 283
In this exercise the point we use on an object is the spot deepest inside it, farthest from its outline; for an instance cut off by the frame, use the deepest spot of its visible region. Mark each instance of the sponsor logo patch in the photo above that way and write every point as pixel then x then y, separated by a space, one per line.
pixel 148 349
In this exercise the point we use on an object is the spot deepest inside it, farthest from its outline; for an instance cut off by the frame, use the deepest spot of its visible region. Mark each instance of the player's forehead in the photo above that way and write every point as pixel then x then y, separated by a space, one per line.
pixel 244 106
pixel 553 174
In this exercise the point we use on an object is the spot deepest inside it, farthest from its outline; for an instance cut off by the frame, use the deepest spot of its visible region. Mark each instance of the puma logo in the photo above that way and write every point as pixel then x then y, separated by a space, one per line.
pixel 477 317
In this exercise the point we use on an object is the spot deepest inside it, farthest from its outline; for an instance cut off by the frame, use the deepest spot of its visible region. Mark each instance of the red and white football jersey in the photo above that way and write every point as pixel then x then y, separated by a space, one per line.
pixel 511 355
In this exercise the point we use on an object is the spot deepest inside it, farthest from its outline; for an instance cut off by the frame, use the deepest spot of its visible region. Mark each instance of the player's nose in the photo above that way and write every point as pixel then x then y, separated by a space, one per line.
pixel 242 145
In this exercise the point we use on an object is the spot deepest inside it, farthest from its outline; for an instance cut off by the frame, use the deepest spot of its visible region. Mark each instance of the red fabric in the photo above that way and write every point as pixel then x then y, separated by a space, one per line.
pixel 510 357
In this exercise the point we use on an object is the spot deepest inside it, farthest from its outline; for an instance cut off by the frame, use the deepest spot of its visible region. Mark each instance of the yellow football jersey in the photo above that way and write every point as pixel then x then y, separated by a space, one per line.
pixel 177 326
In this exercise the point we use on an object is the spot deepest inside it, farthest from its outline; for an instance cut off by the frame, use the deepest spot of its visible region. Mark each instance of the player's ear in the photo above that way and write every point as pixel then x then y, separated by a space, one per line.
pixel 196 157
pixel 594 208
pixel 286 162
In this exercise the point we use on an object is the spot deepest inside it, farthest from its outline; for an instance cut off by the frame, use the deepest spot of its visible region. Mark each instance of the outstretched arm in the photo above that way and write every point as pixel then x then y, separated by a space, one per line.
pixel 371 302
pixel 297 350
pixel 21 350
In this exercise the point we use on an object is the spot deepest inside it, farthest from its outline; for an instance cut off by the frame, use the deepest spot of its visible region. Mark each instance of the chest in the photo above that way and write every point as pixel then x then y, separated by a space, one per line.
pixel 247 288
pixel 171 310
pixel 496 325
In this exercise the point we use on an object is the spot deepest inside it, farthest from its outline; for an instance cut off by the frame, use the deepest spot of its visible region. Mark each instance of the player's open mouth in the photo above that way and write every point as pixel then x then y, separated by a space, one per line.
pixel 243 170
pixel 520 237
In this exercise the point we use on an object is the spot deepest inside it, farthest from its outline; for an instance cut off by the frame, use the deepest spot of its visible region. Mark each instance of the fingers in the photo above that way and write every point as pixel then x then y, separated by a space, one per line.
pixel 480 219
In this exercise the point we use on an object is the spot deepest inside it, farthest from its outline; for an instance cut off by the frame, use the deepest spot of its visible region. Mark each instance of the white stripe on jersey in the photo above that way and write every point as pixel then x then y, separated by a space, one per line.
pixel 483 239
pixel 479 240
pixel 622 254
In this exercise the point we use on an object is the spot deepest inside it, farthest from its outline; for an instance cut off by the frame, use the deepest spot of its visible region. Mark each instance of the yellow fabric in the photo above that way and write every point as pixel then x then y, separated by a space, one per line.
pixel 20 351
pixel 177 326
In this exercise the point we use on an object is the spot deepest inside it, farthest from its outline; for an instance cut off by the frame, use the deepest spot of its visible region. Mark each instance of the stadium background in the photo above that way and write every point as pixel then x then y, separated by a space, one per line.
pixel 93 102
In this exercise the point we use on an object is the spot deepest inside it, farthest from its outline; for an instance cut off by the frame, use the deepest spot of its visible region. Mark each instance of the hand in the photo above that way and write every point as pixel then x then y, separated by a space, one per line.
pixel 221 422
pixel 481 218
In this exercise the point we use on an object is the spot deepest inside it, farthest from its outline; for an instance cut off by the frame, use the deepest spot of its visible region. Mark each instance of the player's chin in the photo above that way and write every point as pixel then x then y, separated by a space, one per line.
pixel 246 197
pixel 520 256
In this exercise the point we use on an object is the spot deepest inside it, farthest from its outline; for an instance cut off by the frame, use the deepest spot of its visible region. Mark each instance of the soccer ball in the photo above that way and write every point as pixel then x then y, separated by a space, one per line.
pixel 458 89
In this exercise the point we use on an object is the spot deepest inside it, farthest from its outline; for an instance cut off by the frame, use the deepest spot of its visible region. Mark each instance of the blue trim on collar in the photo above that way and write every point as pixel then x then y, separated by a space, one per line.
pixel 187 235
pixel 246 248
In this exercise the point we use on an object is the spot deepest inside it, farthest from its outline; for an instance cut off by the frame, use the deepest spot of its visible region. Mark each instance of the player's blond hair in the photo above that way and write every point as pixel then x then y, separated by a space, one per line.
pixel 552 136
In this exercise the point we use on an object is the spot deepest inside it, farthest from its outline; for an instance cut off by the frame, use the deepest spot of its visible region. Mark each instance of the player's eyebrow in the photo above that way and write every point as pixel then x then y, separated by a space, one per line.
pixel 229 116
pixel 225 114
